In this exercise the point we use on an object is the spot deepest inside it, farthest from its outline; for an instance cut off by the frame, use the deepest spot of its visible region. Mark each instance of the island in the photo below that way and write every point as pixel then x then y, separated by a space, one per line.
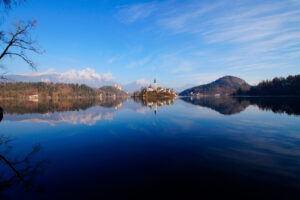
pixel 155 92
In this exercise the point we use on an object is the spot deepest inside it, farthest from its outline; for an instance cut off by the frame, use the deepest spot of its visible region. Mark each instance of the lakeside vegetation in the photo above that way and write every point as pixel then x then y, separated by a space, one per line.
pixel 289 86
pixel 23 90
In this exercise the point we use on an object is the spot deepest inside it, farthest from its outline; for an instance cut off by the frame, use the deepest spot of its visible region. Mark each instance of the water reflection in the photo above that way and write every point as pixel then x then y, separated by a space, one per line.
pixel 18 172
pixel 154 102
pixel 234 105
pixel 1 114
pixel 73 111
pixel 89 111
pixel 58 105
pixel 181 150
pixel 223 105
pixel 290 106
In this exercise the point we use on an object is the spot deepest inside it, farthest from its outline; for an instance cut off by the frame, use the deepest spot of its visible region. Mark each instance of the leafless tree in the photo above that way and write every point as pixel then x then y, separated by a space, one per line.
pixel 7 4
pixel 18 42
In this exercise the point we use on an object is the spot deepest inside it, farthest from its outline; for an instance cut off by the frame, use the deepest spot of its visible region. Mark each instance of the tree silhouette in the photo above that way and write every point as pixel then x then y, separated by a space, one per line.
pixel 9 3
pixel 23 169
pixel 18 42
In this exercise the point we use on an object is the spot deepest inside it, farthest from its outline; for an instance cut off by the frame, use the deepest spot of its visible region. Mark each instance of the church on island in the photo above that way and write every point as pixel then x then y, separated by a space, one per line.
pixel 160 90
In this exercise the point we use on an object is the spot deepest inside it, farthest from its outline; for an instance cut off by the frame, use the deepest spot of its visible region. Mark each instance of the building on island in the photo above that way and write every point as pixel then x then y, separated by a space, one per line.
pixel 118 86
pixel 160 89
pixel 150 89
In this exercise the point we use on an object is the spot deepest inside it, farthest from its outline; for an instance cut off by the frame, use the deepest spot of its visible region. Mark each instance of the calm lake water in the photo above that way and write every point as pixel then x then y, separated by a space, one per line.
pixel 188 148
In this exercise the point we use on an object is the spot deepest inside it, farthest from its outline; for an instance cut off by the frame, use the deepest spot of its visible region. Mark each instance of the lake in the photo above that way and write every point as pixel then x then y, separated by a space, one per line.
pixel 188 148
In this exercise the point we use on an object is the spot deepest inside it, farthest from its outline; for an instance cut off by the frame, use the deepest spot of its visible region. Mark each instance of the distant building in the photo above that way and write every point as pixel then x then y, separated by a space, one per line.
pixel 118 86
pixel 149 89
pixel 160 89
pixel 35 96
pixel 167 90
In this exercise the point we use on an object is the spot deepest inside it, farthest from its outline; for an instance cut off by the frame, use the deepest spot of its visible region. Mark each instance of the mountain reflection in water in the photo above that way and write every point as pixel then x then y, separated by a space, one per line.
pixel 123 148
pixel 89 111
pixel 73 111
pixel 232 105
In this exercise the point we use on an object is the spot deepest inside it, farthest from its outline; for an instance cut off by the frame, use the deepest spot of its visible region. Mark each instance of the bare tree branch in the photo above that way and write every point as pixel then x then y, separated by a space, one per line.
pixel 20 42
pixel 10 3
pixel 24 57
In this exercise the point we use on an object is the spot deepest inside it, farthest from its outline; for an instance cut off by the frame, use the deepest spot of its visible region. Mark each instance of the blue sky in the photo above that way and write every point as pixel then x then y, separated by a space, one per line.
pixel 177 42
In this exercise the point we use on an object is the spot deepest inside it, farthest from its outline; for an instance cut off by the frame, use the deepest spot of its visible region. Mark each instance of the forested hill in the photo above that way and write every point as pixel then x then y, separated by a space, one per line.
pixel 222 86
pixel 111 90
pixel 289 86
pixel 54 90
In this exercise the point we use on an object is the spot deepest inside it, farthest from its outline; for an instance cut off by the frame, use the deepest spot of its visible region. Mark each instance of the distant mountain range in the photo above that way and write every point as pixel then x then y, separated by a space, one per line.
pixel 222 86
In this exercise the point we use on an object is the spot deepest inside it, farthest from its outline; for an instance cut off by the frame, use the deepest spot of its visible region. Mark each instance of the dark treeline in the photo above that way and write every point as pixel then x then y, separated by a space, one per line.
pixel 289 86
pixel 22 90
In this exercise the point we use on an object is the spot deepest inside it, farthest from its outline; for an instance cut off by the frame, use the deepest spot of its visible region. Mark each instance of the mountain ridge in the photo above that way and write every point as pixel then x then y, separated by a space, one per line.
pixel 225 85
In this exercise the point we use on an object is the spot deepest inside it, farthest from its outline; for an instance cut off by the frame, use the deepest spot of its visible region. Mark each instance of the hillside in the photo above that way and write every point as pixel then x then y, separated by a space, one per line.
pixel 222 86
pixel 23 90
pixel 289 86
pixel 111 91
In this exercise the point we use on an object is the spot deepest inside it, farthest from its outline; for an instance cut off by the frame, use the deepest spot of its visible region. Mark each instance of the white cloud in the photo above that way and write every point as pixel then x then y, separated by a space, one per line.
pixel 136 12
pixel 139 63
pixel 142 81
pixel 108 77
pixel 135 85
pixel 85 76
pixel 261 27
pixel 112 60
pixel 72 76
pixel 255 35
pixel 185 66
